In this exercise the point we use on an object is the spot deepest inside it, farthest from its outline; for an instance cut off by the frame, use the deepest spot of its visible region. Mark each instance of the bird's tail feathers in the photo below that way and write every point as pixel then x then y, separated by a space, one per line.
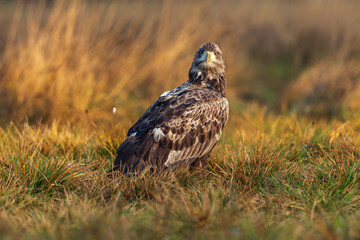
pixel 126 160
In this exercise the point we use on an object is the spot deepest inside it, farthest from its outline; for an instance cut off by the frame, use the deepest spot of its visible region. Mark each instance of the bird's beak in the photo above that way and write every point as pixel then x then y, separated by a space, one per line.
pixel 210 57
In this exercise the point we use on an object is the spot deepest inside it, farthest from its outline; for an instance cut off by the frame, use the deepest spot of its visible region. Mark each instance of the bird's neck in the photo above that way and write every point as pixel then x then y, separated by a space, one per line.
pixel 215 81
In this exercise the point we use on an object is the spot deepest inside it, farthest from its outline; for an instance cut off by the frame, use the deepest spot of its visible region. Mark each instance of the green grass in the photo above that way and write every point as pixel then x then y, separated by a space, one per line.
pixel 273 177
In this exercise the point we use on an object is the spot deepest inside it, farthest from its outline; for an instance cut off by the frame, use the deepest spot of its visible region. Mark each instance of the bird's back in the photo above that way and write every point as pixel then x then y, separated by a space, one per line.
pixel 184 124
pixel 180 127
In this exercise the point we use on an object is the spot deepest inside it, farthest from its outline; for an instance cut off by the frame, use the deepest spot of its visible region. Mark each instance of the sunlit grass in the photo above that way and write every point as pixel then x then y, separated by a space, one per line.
pixel 61 58
pixel 274 177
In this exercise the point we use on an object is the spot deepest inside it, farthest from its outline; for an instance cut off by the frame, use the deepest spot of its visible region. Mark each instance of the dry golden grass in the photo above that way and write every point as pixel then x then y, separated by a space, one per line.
pixel 327 88
pixel 65 57
pixel 269 177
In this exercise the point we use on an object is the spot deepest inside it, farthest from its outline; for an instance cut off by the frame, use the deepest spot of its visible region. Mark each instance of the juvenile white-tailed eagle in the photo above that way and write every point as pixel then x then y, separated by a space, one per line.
pixel 184 124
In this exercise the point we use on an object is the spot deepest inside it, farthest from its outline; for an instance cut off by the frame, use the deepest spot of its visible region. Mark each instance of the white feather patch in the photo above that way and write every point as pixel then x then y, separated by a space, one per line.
pixel 158 134
pixel 173 157
pixel 164 94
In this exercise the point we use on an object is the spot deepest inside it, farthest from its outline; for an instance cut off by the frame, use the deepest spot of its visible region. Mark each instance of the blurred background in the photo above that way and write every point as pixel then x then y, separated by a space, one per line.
pixel 71 61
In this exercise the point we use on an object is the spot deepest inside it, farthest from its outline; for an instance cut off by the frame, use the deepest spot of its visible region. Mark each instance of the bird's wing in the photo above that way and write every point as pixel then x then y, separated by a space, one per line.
pixel 159 111
pixel 180 125
pixel 195 132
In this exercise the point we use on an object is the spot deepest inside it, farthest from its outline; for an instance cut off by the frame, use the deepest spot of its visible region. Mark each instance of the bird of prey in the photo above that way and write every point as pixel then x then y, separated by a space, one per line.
pixel 182 127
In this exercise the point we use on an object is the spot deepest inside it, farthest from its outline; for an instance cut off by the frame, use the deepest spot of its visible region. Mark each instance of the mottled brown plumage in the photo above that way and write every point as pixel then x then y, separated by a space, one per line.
pixel 184 124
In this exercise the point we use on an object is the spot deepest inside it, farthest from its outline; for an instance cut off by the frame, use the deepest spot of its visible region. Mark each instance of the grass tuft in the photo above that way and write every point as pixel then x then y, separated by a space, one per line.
pixel 276 182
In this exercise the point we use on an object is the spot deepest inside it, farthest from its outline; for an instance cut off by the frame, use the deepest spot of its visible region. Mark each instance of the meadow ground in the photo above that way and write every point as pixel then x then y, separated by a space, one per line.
pixel 286 167
pixel 274 177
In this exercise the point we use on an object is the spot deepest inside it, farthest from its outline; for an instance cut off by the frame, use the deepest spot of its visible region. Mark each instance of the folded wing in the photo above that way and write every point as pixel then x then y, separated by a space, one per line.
pixel 180 127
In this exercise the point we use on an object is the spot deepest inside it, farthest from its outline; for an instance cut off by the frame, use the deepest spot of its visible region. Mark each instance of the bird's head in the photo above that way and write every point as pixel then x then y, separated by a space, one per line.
pixel 208 59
